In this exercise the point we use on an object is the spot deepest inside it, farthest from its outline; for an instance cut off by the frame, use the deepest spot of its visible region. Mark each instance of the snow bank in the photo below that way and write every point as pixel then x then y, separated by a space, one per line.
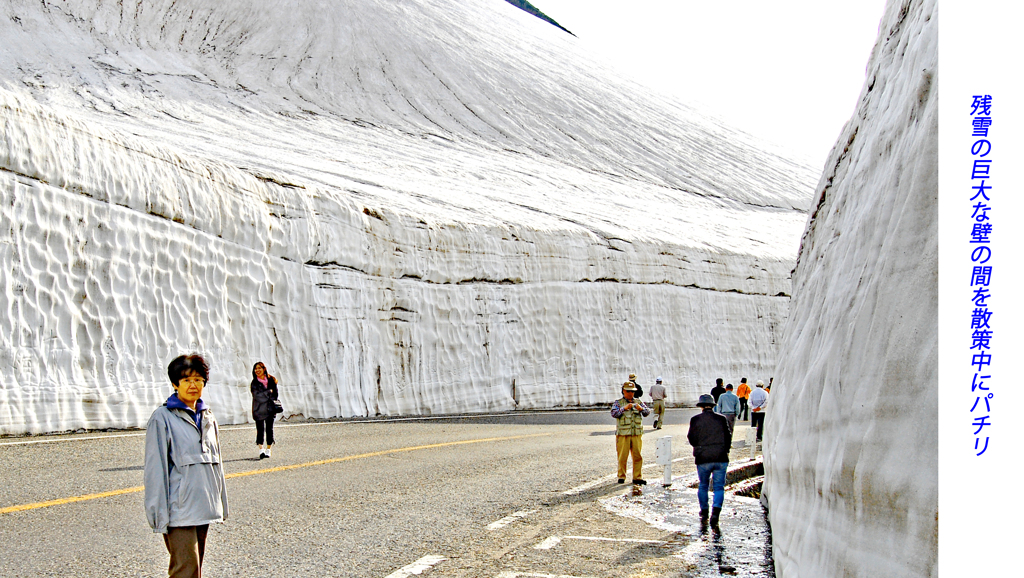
pixel 851 440
pixel 406 207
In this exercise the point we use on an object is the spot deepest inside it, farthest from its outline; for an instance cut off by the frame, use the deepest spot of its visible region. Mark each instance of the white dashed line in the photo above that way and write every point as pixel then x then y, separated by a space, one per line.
pixel 509 519
pixel 417 567
pixel 588 485
pixel 548 544
pixel 281 424
pixel 599 539
pixel 556 540
pixel 531 575
pixel 58 440
pixel 594 483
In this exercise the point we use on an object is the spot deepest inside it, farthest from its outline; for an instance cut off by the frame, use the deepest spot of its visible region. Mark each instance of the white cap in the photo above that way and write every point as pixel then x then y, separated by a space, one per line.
pixel 658 380
pixel 759 382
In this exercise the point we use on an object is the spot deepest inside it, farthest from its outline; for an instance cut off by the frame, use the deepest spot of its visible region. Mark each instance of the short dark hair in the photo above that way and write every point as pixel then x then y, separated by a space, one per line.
pixel 743 380
pixel 728 386
pixel 718 381
pixel 185 364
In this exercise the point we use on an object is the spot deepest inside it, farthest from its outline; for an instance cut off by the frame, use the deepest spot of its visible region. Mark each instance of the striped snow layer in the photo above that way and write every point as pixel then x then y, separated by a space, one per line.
pixel 402 207
pixel 851 456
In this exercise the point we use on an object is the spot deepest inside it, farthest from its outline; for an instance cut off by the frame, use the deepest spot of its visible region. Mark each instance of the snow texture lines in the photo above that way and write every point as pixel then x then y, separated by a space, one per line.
pixel 307 164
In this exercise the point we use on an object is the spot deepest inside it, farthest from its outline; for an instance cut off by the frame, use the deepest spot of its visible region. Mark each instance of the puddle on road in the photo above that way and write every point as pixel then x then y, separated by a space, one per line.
pixel 742 546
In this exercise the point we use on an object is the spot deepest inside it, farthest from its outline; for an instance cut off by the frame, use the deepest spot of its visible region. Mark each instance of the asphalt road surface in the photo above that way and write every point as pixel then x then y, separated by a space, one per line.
pixel 454 497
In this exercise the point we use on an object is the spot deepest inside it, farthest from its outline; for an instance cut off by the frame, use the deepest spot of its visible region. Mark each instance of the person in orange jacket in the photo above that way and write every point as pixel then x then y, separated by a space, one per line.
pixel 743 392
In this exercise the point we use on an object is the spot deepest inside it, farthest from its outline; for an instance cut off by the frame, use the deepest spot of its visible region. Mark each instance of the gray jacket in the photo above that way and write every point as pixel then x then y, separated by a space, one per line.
pixel 183 474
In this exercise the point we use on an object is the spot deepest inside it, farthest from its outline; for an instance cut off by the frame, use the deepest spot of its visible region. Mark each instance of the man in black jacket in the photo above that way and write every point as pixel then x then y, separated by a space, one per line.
pixel 718 390
pixel 709 436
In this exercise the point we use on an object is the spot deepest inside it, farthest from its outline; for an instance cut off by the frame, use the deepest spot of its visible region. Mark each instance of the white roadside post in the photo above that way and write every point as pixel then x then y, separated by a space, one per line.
pixel 752 442
pixel 663 456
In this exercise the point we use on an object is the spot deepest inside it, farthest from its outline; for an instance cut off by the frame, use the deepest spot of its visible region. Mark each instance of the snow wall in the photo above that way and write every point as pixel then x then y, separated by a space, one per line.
pixel 851 454
pixel 403 207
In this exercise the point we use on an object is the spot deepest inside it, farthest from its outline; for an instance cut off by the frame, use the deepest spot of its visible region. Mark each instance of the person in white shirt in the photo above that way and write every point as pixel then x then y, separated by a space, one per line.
pixel 758 405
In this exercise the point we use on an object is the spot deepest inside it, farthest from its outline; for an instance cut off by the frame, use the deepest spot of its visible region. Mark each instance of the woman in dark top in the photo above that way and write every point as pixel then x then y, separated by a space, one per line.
pixel 264 391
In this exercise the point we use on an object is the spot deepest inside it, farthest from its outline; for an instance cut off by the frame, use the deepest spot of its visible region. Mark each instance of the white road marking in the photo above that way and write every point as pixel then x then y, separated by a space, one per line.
pixel 509 519
pixel 531 575
pixel 594 483
pixel 588 485
pixel 553 541
pixel 283 424
pixel 131 435
pixel 417 567
pixel 548 544
pixel 599 539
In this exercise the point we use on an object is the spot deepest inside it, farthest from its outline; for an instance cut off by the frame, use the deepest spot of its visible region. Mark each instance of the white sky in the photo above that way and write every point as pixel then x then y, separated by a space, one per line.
pixel 787 71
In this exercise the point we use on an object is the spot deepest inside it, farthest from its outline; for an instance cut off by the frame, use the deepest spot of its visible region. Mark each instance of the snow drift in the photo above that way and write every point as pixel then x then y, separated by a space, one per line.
pixel 402 207
pixel 851 441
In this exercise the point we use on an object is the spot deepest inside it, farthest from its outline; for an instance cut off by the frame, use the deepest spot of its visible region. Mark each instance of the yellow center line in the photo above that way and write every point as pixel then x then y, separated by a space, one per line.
pixel 61 501
pixel 70 500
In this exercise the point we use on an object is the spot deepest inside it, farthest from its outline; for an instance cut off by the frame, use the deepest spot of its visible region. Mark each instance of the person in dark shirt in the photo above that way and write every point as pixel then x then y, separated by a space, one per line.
pixel 718 390
pixel 709 436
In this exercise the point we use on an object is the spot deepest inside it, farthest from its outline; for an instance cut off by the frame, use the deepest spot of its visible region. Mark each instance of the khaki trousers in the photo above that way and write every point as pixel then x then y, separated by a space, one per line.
pixel 659 410
pixel 186 545
pixel 625 446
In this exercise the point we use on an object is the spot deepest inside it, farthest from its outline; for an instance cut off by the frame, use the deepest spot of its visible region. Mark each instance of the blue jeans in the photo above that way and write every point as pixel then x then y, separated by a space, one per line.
pixel 715 472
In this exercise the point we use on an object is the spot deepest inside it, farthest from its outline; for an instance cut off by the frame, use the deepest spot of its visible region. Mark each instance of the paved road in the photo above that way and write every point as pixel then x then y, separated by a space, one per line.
pixel 355 498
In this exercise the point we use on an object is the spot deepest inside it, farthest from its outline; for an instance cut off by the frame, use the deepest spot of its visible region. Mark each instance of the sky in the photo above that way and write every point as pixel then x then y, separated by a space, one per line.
pixel 788 72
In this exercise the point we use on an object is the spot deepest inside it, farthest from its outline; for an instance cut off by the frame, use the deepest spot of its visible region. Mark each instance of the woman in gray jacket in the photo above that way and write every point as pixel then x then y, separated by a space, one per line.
pixel 185 489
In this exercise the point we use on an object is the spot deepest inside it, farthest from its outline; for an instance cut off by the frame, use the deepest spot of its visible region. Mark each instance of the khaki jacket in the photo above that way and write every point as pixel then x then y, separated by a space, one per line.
pixel 630 421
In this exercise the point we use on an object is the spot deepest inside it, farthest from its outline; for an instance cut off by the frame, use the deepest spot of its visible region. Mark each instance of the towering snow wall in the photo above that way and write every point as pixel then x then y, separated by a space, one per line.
pixel 401 206
pixel 851 441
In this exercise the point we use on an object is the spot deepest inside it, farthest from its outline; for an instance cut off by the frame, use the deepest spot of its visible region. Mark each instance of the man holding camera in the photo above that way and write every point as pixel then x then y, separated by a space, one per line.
pixel 629 432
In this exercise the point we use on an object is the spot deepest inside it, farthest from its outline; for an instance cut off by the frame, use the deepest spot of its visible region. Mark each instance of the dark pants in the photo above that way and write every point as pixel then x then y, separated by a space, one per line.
pixel 731 418
pixel 186 545
pixel 757 420
pixel 268 425
pixel 744 409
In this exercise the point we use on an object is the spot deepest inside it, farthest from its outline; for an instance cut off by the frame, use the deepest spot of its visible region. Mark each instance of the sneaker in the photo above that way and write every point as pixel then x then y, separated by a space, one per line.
pixel 263 454
pixel 268 452
pixel 639 482
pixel 622 481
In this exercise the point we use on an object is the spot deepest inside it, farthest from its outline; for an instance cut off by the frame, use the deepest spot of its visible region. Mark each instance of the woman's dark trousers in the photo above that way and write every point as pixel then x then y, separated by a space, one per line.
pixel 265 425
